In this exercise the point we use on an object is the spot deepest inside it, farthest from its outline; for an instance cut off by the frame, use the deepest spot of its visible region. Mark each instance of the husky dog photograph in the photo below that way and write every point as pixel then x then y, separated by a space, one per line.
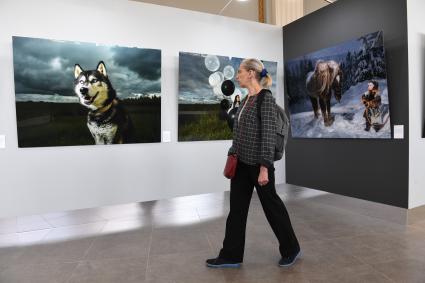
pixel 73 93
pixel 205 112
pixel 340 91
pixel 107 120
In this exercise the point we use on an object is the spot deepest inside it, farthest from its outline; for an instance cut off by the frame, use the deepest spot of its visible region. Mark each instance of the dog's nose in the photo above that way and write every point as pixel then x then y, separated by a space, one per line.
pixel 84 90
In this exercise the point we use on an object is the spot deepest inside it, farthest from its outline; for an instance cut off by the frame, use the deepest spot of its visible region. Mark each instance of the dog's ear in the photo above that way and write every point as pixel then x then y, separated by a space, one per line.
pixel 101 68
pixel 77 70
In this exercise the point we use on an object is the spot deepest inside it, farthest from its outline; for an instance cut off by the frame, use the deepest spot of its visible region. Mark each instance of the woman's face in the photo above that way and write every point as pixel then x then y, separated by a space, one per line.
pixel 370 86
pixel 237 98
pixel 244 77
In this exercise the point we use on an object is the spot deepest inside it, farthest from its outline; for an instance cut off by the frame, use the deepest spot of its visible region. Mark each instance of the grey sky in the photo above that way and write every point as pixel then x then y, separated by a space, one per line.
pixel 44 66
pixel 194 86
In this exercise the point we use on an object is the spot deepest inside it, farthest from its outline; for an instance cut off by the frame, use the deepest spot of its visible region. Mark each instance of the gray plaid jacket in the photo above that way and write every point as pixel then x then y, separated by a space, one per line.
pixel 255 144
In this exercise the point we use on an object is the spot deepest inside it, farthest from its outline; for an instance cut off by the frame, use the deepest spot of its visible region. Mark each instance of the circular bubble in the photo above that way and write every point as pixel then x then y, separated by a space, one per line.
pixel 216 78
pixel 229 72
pixel 217 90
pixel 212 63
pixel 228 87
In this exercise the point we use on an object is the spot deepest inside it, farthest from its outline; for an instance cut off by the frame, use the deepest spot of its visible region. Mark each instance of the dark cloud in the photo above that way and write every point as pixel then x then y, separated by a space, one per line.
pixel 145 62
pixel 47 66
pixel 193 76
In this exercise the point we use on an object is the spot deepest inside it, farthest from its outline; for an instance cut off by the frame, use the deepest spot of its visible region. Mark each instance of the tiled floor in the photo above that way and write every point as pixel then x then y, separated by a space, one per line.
pixel 343 240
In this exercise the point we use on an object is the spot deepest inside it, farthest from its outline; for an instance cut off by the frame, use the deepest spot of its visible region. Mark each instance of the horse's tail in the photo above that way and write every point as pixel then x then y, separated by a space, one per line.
pixel 309 84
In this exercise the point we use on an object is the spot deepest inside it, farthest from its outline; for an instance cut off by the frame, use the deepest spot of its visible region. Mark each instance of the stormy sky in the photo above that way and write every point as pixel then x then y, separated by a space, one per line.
pixel 194 86
pixel 44 66
pixel 335 52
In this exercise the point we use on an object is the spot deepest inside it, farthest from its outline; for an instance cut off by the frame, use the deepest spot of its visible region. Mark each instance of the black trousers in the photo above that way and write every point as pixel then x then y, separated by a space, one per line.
pixel 242 186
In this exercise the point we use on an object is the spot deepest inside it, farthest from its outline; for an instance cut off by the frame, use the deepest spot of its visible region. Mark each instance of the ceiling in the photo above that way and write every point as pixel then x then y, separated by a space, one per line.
pixel 247 10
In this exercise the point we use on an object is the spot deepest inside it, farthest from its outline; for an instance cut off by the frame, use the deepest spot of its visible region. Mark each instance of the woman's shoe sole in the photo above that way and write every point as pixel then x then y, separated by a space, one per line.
pixel 292 263
pixel 228 265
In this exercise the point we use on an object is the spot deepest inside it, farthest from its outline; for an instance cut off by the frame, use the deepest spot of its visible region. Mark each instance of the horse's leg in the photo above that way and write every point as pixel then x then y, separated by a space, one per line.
pixel 328 111
pixel 323 109
pixel 315 105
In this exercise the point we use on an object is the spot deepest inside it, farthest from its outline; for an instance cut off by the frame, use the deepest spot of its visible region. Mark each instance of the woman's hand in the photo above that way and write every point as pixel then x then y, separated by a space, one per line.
pixel 263 177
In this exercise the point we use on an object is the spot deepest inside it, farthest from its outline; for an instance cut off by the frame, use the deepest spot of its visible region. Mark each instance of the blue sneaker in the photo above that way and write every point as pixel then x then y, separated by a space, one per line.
pixel 289 260
pixel 222 263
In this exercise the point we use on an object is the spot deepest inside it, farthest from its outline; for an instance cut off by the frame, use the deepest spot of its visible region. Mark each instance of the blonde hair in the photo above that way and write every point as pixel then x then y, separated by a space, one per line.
pixel 257 66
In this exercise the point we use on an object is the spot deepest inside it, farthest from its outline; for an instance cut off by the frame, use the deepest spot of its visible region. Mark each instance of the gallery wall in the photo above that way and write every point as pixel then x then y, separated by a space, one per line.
pixel 416 24
pixel 375 170
pixel 38 180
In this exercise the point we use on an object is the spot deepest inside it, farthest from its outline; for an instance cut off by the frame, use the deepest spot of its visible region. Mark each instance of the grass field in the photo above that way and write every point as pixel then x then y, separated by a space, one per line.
pixel 203 126
pixel 42 124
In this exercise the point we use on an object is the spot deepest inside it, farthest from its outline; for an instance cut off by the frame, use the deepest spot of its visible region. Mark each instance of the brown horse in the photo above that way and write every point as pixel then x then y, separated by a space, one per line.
pixel 325 80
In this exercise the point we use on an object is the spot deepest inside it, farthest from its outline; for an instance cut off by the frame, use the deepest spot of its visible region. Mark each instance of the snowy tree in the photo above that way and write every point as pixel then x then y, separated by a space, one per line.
pixel 378 61
pixel 371 61
pixel 347 67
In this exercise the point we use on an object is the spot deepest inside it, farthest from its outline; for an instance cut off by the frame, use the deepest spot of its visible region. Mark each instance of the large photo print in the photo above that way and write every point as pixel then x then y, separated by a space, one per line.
pixel 209 95
pixel 340 91
pixel 73 93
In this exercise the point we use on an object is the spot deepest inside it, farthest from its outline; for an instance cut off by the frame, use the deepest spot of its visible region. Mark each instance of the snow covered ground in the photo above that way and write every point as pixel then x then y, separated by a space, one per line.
pixel 348 115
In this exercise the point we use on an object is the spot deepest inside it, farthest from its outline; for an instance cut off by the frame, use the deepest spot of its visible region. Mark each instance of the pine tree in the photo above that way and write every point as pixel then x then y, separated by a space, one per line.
pixel 346 67
pixel 371 63
pixel 364 68
pixel 378 61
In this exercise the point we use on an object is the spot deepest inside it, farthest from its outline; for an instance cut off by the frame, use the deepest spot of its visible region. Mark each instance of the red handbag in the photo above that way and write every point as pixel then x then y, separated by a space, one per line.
pixel 230 168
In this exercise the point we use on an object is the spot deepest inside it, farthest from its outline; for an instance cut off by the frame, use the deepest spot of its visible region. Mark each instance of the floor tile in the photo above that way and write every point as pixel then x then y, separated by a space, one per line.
pixel 38 273
pixel 178 240
pixel 168 241
pixel 183 268
pixel 74 218
pixel 10 256
pixel 31 223
pixel 130 244
pixel 403 270
pixel 56 252
pixel 110 271
pixel 23 239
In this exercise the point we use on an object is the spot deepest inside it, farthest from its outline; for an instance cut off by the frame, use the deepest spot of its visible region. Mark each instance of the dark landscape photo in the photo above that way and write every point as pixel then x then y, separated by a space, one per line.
pixel 73 93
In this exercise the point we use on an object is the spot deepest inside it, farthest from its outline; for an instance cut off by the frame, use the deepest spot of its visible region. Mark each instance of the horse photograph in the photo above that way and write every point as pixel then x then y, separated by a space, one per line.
pixel 340 91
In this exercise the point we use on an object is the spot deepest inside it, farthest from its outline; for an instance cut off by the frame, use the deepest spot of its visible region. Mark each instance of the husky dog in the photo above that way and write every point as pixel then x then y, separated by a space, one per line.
pixel 107 120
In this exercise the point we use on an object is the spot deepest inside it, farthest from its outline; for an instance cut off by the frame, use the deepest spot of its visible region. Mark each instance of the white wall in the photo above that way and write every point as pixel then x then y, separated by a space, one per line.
pixel 416 34
pixel 39 180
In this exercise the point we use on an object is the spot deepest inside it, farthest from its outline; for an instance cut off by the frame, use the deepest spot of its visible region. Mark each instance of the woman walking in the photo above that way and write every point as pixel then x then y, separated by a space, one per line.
pixel 254 137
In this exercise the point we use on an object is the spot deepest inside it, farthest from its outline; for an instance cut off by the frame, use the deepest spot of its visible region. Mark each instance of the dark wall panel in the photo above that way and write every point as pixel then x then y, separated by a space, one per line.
pixel 375 170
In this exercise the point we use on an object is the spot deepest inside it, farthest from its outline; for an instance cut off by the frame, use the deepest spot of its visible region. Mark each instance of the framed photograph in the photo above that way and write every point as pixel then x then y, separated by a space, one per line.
pixel 205 111
pixel 340 91
pixel 73 93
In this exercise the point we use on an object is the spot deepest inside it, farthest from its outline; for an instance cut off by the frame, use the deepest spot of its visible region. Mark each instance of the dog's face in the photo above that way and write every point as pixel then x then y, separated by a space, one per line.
pixel 92 87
